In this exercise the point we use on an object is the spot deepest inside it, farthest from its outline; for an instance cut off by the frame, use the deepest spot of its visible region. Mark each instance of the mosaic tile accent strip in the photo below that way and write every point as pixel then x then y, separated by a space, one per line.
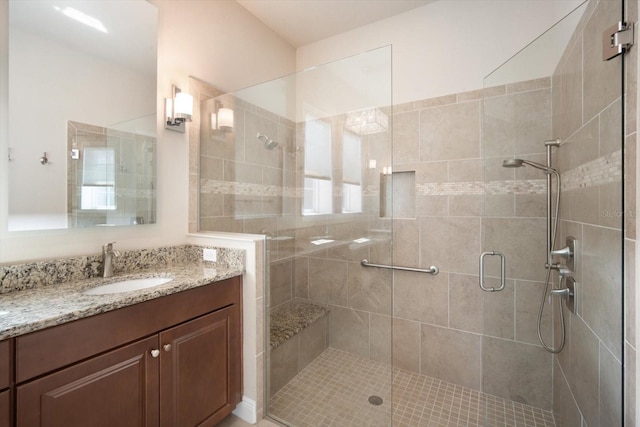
pixel 334 390
pixel 290 318
pixel 530 186
pixel 213 186
pixel 603 170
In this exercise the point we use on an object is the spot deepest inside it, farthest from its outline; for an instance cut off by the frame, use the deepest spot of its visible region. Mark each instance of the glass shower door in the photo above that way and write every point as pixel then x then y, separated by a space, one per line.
pixel 552 125
pixel 305 165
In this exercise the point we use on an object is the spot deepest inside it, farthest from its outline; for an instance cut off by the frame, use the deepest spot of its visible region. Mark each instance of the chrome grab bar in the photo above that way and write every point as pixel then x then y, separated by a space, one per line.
pixel 431 270
pixel 502 271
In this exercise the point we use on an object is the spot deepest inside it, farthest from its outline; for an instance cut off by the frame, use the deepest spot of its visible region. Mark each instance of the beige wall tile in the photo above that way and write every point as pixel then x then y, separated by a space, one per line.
pixel 328 281
pixel 529 296
pixel 499 310
pixel 451 243
pixel 242 172
pixel 602 284
pixel 466 303
pixel 369 289
pixel 602 79
pixel 450 132
pixel 582 147
pixel 301 277
pixel 406 345
pixel 380 339
pixel 432 205
pixel 630 291
pixel 406 238
pixel 211 205
pixel 451 355
pixel 281 283
pixel 211 168
pixel 465 170
pixel 610 390
pixel 630 186
pixel 630 391
pixel 583 370
pixel 406 137
pixel 349 330
pixel 610 129
pixel 255 152
pixel 470 205
pixel 283 364
pixel 523 242
pixel 565 409
pixel 421 297
pixel 312 342
pixel 568 84
pixel 611 213
pixel 520 372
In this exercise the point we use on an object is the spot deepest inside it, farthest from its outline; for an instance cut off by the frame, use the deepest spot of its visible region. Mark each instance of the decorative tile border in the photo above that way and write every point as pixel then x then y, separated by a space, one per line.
pixel 603 170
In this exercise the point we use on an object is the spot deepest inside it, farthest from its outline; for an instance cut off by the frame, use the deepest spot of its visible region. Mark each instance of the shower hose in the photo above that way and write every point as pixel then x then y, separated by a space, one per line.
pixel 547 282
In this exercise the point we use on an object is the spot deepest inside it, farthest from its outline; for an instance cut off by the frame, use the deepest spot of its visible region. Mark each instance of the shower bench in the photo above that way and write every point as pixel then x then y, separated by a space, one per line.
pixel 291 318
pixel 298 334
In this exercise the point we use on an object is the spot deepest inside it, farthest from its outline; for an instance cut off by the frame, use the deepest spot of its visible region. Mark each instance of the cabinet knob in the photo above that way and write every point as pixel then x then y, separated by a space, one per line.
pixel 167 347
pixel 155 352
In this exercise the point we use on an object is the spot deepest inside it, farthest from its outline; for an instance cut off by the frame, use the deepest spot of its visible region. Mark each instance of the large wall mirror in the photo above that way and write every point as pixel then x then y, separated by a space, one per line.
pixel 82 113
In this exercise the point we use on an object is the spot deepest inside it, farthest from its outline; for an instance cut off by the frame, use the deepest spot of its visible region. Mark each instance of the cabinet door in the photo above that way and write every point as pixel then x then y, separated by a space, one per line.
pixel 5 364
pixel 200 375
pixel 119 388
pixel 5 408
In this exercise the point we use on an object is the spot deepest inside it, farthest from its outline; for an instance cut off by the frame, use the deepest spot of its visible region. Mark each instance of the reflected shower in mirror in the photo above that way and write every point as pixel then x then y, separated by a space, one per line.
pixel 112 177
pixel 86 62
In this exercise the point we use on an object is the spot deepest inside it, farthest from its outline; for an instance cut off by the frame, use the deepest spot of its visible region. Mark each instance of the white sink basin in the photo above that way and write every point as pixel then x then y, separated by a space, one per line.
pixel 128 285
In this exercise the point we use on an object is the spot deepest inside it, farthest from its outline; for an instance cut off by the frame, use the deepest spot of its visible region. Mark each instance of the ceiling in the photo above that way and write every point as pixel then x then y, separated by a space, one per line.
pixel 301 22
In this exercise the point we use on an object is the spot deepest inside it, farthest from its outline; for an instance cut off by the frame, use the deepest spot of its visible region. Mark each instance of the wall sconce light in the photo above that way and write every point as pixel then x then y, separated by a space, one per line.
pixel 222 119
pixel 178 110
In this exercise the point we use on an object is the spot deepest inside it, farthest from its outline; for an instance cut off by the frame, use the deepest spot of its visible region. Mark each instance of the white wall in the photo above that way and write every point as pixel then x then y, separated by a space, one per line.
pixel 38 118
pixel 447 46
pixel 216 41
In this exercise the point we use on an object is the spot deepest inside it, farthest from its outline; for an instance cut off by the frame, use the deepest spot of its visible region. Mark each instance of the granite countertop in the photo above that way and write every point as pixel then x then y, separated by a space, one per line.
pixel 30 310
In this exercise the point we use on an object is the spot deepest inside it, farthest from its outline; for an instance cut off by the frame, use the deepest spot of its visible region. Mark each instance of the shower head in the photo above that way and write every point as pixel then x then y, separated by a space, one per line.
pixel 518 163
pixel 513 163
pixel 269 143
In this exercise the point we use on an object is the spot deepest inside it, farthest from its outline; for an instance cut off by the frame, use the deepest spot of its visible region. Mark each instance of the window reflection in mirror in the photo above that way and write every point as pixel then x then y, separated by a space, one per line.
pixel 61 70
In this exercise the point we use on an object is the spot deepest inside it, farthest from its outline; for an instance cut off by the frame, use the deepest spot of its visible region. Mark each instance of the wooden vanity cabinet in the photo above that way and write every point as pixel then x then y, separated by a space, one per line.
pixel 187 373
pixel 199 366
pixel 119 388
pixel 6 378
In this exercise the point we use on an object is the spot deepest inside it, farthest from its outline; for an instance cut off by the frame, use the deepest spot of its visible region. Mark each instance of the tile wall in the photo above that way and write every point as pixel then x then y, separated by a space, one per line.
pixel 588 110
pixel 464 202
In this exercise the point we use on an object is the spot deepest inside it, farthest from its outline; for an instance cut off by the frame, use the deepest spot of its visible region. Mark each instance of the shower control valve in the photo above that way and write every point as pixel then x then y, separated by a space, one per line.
pixel 565 252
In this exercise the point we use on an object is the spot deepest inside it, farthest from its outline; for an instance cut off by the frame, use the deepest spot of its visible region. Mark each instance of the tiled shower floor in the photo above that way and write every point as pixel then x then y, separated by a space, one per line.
pixel 334 390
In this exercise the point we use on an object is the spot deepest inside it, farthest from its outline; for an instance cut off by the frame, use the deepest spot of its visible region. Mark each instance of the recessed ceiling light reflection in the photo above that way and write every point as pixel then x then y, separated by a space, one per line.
pixel 82 17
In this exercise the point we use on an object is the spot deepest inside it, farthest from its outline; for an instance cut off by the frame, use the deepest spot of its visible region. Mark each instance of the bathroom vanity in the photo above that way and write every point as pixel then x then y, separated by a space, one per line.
pixel 166 357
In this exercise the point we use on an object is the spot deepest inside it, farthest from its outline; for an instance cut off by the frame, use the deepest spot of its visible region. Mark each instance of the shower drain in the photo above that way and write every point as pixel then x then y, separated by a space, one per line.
pixel 375 400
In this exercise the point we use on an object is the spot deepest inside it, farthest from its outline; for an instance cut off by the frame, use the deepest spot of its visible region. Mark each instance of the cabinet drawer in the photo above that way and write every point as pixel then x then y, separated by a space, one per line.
pixel 5 364
pixel 59 346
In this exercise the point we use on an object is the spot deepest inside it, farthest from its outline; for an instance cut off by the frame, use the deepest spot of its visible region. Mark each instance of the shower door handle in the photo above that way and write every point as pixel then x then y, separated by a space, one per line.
pixel 502 271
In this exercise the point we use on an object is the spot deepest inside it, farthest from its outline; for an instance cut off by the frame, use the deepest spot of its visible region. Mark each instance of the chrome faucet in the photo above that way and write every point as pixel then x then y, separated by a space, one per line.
pixel 107 259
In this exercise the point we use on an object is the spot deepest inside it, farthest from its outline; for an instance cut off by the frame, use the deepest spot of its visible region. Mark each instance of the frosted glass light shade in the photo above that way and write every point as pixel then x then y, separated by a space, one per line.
pixel 225 119
pixel 183 107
